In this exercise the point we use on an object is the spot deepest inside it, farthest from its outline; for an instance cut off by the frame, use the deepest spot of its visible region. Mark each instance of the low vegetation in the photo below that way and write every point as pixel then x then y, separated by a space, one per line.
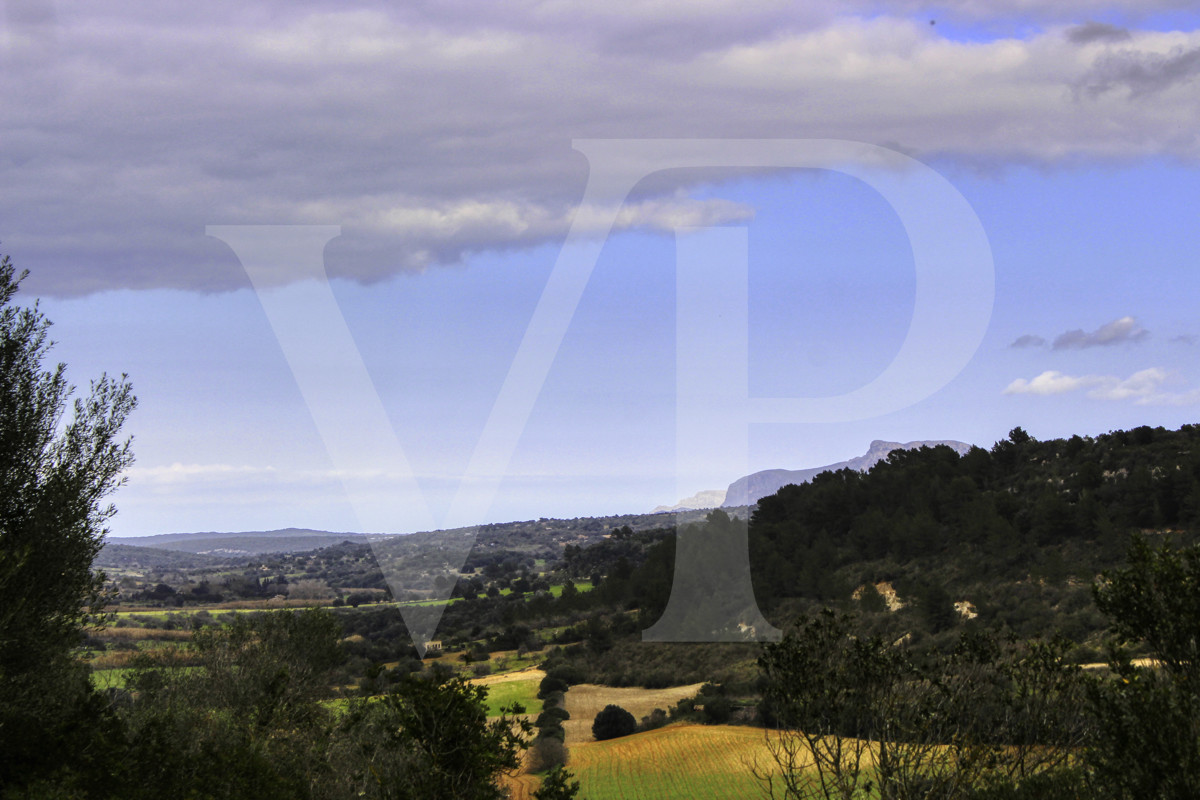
pixel 937 608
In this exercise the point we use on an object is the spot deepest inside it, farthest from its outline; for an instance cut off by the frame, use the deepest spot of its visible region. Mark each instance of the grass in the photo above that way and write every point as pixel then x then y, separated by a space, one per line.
pixel 110 678
pixel 116 677
pixel 583 586
pixel 503 693
pixel 703 762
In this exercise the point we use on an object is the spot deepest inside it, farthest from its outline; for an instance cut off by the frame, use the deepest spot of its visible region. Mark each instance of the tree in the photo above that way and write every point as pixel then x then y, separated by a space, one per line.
pixel 236 714
pixel 611 722
pixel 557 785
pixel 858 717
pixel 427 739
pixel 55 470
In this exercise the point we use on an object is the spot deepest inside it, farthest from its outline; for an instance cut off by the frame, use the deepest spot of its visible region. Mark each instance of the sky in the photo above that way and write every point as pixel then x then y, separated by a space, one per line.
pixel 495 304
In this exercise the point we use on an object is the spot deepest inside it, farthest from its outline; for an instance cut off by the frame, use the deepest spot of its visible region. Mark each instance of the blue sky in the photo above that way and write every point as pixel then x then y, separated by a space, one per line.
pixel 440 140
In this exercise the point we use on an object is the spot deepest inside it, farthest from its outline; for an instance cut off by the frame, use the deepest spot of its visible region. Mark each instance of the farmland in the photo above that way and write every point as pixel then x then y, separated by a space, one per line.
pixel 704 762
pixel 585 701
pixel 513 687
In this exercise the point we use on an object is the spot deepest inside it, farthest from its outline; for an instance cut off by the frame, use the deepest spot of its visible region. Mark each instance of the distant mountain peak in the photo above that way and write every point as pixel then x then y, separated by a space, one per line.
pixel 749 489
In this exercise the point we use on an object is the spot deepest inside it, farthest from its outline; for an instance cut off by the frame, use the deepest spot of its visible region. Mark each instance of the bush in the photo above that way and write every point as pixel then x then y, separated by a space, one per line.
pixel 546 753
pixel 557 786
pixel 552 716
pixel 553 731
pixel 612 723
pixel 655 719
pixel 569 674
pixel 551 684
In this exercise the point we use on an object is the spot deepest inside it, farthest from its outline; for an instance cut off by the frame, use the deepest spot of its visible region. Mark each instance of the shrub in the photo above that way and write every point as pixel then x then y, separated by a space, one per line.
pixel 546 753
pixel 557 786
pixel 655 719
pixel 717 710
pixel 613 722
pixel 551 684
pixel 552 716
pixel 569 674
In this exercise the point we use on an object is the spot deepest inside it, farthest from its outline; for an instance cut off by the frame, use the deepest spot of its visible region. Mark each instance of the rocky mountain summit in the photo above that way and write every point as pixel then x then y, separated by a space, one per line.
pixel 750 489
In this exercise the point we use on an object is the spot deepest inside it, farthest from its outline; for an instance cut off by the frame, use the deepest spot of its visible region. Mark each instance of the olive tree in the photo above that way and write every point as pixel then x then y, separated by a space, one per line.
pixel 59 458
pixel 613 722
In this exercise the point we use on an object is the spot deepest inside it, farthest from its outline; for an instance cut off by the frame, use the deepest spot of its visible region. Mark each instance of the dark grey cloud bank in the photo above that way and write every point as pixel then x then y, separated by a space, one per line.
pixel 434 130
pixel 1142 74
pixel 1098 32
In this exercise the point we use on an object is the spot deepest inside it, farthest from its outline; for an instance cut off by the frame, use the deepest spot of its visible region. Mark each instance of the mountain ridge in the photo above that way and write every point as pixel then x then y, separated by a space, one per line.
pixel 749 489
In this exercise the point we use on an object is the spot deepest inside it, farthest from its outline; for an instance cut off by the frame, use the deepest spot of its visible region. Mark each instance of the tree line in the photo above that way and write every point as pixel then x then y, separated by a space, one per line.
pixel 997 716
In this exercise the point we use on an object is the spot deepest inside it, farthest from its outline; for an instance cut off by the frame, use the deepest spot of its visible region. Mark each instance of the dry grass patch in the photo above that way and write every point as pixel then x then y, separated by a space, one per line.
pixel 587 700
pixel 699 762
pixel 527 674
pixel 521 786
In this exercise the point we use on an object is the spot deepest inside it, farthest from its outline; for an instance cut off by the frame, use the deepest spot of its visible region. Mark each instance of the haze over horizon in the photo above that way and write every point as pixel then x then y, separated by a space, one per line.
pixel 441 139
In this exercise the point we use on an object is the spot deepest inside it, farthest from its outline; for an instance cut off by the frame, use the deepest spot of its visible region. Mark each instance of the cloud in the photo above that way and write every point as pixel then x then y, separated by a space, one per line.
pixel 1143 73
pixel 1090 32
pixel 178 473
pixel 1144 387
pixel 1029 340
pixel 1183 338
pixel 1125 329
pixel 1052 382
pixel 430 131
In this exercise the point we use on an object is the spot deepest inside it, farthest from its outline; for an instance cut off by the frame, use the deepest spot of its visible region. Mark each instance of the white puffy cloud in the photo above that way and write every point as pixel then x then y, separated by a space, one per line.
pixel 1145 387
pixel 1052 382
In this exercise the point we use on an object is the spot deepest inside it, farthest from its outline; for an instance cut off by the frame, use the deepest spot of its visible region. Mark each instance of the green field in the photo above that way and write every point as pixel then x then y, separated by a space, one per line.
pixel 504 693
pixel 583 586
pixel 110 678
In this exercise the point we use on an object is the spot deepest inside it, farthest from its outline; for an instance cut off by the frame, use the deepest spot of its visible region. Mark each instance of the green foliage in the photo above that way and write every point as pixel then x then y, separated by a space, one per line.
pixel 551 716
pixel 1156 599
pixel 249 721
pixel 991 510
pixel 547 752
pixel 1147 740
pixel 428 740
pixel 56 467
pixel 551 684
pixel 557 785
pixel 871 601
pixel 859 716
pixel 612 722
pixel 654 720
pixel 238 714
